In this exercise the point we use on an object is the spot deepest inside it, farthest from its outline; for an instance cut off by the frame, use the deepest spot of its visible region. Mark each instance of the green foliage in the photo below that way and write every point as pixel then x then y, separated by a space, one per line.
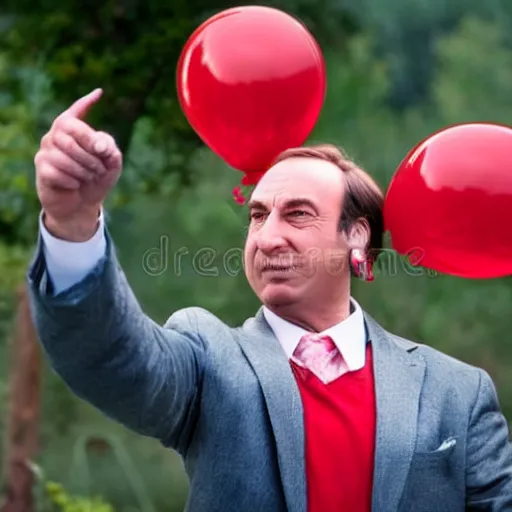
pixel 25 106
pixel 135 63
pixel 131 50
pixel 13 262
pixel 58 500
pixel 59 406
pixel 87 443
pixel 407 33
pixel 463 58
pixel 52 496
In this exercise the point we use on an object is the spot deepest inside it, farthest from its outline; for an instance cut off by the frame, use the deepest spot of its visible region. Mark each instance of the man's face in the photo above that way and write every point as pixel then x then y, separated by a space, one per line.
pixel 294 252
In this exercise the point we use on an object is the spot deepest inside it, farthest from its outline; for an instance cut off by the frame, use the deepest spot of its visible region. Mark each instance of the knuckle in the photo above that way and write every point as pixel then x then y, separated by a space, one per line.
pixel 45 140
pixel 66 143
pixel 39 158
pixel 90 164
pixel 109 140
pixel 57 123
pixel 47 175
pixel 58 138
pixel 64 125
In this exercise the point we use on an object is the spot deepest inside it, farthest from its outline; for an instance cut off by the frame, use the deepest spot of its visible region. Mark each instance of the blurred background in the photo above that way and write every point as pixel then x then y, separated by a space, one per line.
pixel 397 71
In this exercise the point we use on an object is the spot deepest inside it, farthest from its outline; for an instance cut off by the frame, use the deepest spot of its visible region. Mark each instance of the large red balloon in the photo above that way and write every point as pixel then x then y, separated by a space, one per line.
pixel 450 200
pixel 251 82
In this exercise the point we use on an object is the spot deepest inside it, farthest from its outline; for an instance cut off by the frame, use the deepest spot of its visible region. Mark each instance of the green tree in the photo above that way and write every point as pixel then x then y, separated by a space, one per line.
pixel 463 57
pixel 131 50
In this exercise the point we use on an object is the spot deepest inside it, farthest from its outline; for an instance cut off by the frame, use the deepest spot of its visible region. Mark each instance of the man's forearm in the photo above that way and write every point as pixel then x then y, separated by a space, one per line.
pixel 114 356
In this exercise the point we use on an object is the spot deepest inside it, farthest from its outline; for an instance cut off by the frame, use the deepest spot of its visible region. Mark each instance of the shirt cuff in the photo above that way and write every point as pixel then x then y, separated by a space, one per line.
pixel 68 263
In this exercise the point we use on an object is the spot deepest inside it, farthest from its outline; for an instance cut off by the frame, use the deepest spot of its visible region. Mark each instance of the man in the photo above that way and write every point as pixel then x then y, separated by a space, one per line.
pixel 310 406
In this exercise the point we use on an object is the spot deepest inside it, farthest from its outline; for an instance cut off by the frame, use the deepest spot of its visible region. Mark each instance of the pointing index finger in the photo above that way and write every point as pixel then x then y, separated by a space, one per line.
pixel 81 106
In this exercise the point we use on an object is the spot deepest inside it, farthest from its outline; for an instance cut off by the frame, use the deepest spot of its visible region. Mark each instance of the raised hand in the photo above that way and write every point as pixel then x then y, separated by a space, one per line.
pixel 76 167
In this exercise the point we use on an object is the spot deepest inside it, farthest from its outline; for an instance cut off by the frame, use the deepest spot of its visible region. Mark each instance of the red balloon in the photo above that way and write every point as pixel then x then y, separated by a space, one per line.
pixel 450 202
pixel 251 82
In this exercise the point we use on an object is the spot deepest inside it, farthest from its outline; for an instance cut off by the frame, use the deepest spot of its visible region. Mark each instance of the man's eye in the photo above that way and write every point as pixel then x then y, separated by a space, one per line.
pixel 256 215
pixel 298 213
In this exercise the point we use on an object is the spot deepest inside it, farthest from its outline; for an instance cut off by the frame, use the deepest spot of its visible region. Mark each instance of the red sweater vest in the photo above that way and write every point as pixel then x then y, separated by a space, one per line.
pixel 339 422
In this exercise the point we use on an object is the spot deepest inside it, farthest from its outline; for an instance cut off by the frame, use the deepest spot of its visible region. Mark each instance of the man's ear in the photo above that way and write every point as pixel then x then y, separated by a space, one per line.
pixel 358 239
pixel 358 235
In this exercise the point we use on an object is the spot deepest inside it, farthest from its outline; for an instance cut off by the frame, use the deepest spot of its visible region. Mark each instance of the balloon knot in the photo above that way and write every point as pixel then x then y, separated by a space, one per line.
pixel 238 195
pixel 248 182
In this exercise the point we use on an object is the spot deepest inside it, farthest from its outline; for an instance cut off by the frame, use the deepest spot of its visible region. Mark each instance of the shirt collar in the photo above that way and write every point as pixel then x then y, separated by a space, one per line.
pixel 349 335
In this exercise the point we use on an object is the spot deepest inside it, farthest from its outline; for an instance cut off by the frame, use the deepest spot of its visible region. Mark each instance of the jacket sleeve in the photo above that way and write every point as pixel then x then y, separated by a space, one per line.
pixel 111 354
pixel 489 453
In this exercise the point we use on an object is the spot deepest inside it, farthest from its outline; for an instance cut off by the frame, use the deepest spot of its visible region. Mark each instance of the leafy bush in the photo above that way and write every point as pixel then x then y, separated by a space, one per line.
pixel 58 500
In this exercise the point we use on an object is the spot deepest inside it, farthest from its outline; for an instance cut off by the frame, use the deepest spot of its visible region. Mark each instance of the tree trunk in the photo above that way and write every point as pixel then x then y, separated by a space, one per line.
pixel 22 425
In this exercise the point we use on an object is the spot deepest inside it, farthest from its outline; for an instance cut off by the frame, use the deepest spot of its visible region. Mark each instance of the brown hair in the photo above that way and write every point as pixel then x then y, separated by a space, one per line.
pixel 363 197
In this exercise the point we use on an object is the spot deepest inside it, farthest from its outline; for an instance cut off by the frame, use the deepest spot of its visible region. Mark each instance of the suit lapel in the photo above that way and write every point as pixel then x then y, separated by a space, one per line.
pixel 399 371
pixel 284 405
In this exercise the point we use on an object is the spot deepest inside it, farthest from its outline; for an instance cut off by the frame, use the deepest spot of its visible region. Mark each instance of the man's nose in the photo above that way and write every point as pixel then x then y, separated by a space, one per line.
pixel 271 236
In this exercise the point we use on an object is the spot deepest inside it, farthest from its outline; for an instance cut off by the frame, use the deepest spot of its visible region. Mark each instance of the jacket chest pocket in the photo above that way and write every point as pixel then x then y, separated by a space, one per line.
pixel 435 483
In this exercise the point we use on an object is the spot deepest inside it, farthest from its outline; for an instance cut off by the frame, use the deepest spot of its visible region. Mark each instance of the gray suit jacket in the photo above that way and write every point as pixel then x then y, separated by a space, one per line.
pixel 226 400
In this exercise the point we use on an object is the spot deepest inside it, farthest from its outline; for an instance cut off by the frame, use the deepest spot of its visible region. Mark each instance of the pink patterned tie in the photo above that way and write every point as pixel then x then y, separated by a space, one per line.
pixel 320 355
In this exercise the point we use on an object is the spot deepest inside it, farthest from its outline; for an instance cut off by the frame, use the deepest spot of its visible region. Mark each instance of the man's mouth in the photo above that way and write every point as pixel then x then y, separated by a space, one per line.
pixel 283 265
pixel 271 268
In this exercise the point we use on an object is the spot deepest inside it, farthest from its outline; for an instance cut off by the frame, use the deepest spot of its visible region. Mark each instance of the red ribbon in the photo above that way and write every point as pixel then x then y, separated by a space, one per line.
pixel 247 181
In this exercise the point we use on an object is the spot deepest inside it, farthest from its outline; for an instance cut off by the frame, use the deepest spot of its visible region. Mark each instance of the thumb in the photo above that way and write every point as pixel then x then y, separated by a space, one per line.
pixel 81 107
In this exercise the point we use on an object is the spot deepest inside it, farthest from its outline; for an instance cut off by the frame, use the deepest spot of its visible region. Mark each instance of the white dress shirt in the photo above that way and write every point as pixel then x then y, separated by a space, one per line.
pixel 68 263
pixel 349 336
